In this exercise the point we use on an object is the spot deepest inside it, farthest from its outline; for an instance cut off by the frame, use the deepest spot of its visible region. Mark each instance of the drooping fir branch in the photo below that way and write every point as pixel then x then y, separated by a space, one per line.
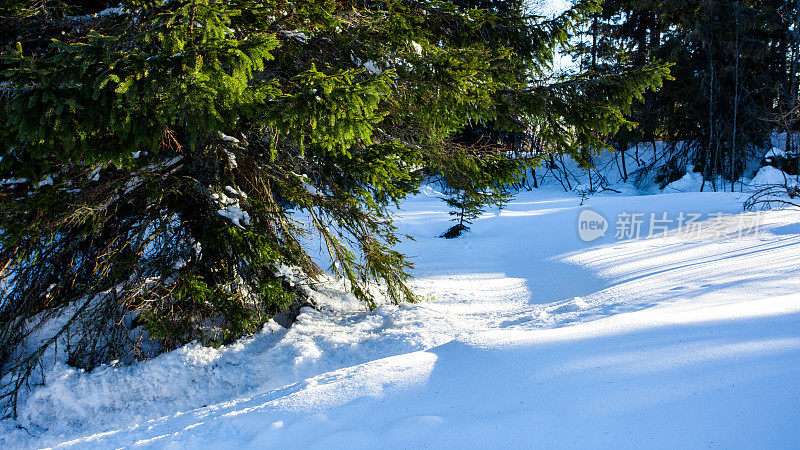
pixel 577 115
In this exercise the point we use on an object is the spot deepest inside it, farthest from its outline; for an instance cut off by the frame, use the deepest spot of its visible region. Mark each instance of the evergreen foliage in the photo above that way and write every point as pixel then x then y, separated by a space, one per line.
pixel 733 77
pixel 474 177
pixel 164 162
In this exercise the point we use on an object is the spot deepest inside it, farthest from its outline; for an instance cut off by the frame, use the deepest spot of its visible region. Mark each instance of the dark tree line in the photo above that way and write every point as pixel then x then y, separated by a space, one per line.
pixel 734 67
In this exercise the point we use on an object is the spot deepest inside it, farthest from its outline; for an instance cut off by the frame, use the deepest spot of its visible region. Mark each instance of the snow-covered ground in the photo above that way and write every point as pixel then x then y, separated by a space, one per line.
pixel 533 336
pixel 530 337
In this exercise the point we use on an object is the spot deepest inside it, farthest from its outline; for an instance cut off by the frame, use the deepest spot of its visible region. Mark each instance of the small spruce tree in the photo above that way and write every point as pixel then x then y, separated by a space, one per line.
pixel 475 177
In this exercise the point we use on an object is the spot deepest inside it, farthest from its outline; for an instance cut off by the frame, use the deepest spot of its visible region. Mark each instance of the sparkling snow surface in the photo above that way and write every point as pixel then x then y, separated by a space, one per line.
pixel 531 338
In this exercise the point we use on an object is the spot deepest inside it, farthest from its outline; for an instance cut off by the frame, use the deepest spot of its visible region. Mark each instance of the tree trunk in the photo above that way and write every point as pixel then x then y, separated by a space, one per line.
pixel 735 98
pixel 707 162
pixel 594 42
pixel 789 147
pixel 622 149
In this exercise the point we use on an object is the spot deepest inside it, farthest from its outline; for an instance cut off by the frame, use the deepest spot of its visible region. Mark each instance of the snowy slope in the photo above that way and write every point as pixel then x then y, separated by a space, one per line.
pixel 532 338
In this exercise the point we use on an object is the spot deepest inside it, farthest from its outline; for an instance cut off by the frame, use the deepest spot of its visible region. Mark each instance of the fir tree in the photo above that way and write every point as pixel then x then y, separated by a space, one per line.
pixel 164 162
pixel 710 114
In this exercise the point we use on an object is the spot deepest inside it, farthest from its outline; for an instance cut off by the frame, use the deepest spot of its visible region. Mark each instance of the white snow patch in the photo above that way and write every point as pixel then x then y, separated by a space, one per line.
pixel 14 181
pixel 232 159
pixel 226 138
pixel 94 175
pixel 372 67
pixel 775 152
pixel 235 214
pixel 416 47
pixel 311 189
pixel 47 181
pixel 769 175
pixel 690 182
pixel 294 34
